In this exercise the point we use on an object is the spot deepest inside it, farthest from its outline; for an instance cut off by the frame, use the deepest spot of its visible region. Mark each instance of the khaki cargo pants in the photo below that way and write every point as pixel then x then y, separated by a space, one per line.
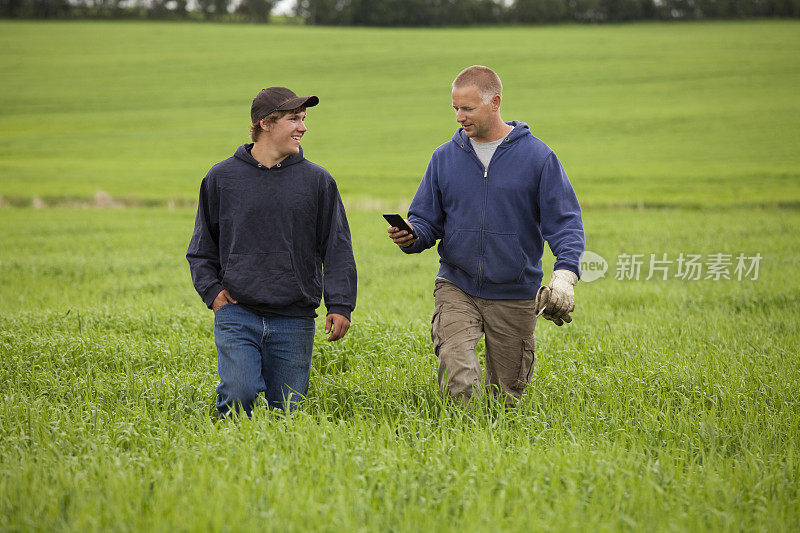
pixel 460 320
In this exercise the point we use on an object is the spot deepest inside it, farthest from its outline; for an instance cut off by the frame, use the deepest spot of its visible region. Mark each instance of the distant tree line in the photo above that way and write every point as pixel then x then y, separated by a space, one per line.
pixel 220 10
pixel 458 12
pixel 407 12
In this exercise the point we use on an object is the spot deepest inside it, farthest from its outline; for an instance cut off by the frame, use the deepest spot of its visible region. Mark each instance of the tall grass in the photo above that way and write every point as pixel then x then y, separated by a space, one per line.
pixel 666 405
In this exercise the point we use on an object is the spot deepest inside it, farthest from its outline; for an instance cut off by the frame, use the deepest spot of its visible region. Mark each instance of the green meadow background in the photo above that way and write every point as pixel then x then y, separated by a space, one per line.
pixel 667 405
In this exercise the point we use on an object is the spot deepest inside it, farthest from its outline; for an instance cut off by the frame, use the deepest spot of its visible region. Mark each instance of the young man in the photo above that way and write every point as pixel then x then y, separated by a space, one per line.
pixel 493 195
pixel 268 222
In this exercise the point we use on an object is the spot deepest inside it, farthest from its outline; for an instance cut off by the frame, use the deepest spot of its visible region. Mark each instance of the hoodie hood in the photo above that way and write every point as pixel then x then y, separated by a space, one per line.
pixel 520 130
pixel 244 152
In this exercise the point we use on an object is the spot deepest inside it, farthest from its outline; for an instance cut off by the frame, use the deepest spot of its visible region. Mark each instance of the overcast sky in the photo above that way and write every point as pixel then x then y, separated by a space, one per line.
pixel 282 7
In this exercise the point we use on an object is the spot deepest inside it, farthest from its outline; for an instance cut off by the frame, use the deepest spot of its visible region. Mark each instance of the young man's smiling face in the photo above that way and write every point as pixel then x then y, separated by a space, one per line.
pixel 284 134
pixel 476 117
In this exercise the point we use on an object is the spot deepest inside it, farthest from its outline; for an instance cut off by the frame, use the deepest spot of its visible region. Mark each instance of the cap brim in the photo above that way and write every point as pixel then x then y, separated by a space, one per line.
pixel 300 101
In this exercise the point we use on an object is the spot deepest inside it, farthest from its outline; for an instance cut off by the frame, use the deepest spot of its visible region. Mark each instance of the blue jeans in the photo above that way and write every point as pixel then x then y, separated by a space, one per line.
pixel 261 354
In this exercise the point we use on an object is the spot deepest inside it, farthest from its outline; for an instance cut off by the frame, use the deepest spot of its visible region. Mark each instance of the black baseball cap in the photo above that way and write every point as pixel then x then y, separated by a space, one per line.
pixel 278 99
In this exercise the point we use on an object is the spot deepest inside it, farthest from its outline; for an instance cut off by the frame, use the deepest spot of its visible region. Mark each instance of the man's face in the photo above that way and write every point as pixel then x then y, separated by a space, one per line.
pixel 474 116
pixel 285 133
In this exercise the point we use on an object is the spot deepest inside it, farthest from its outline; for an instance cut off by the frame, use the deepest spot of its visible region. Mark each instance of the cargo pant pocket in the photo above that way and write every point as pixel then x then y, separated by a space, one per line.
pixel 435 337
pixel 527 361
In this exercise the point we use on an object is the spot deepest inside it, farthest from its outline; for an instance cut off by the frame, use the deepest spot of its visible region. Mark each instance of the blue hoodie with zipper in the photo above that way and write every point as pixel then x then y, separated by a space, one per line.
pixel 493 221
pixel 265 235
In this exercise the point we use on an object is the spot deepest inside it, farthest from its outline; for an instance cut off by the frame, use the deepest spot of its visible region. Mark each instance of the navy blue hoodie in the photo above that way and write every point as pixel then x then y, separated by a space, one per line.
pixel 493 221
pixel 265 234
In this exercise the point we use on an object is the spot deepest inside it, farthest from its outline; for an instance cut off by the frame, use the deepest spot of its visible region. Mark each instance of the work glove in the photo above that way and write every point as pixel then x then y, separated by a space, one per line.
pixel 557 300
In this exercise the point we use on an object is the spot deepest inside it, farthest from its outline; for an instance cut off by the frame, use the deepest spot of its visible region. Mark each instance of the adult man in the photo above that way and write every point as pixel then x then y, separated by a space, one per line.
pixel 493 194
pixel 268 221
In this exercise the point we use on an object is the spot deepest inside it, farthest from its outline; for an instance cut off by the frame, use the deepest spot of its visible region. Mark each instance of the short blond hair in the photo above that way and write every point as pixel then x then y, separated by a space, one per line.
pixel 483 78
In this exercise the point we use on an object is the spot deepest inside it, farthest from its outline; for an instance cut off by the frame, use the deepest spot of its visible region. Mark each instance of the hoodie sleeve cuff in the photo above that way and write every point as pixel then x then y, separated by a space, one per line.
pixel 211 294
pixel 414 248
pixel 572 268
pixel 340 310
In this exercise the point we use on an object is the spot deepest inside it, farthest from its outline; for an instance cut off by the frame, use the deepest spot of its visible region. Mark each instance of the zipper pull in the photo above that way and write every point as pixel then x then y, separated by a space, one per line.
pixel 485 172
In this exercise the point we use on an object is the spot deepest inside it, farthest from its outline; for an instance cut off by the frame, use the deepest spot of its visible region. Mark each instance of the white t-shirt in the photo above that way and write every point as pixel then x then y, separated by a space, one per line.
pixel 485 151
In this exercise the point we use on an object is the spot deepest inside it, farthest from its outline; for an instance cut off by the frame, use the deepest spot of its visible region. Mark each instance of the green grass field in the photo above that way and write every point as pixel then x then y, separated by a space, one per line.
pixel 666 405
pixel 661 114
